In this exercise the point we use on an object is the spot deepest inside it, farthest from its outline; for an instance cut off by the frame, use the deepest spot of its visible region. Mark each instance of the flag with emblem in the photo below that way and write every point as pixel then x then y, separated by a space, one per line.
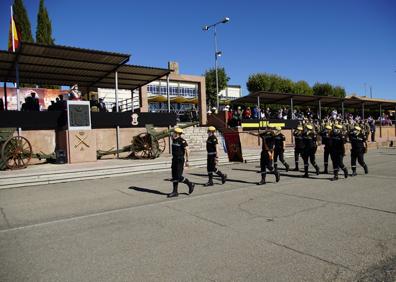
pixel 14 38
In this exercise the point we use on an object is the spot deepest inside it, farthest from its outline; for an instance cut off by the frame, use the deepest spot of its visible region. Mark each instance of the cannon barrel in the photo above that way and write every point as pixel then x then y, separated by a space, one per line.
pixel 167 132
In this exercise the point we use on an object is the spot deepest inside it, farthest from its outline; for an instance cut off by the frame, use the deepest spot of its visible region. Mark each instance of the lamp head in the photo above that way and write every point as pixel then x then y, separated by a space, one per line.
pixel 225 20
pixel 205 28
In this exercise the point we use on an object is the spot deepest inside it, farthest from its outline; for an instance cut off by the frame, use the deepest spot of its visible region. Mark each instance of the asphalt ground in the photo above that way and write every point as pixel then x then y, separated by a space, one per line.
pixel 126 229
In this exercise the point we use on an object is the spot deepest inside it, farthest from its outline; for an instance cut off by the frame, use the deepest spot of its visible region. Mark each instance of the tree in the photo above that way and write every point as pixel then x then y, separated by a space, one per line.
pixel 210 77
pixel 322 89
pixel 302 87
pixel 22 21
pixel 339 92
pixel 44 26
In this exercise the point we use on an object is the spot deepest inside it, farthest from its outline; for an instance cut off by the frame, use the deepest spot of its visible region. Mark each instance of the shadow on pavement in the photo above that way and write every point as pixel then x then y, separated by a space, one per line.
pixel 146 190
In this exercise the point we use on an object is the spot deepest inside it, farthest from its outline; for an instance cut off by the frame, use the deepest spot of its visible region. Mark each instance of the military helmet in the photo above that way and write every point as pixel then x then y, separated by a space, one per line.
pixel 299 127
pixel 357 127
pixel 309 126
pixel 211 129
pixel 328 126
pixel 338 126
pixel 178 130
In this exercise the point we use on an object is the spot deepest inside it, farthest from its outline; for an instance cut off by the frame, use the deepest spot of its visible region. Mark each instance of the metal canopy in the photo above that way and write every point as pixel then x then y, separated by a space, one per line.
pixel 305 100
pixel 62 65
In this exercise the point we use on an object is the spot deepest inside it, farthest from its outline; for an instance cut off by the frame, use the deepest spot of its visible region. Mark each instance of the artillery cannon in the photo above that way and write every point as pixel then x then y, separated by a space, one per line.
pixel 15 151
pixel 148 145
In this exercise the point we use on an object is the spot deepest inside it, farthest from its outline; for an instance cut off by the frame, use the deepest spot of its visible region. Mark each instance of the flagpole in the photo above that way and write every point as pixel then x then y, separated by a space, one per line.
pixel 16 85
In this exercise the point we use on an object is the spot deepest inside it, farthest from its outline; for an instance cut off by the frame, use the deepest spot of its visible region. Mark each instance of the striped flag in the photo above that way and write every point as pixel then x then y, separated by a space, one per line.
pixel 14 38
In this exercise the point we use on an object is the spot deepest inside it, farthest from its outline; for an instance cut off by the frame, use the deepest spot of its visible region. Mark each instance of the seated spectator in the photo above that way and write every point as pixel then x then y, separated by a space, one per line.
pixel 247 113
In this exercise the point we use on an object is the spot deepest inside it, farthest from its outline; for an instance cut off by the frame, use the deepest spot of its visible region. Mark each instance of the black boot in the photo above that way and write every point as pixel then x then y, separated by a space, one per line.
pixel 174 192
pixel 190 185
pixel 306 171
pixel 287 167
pixel 345 170
pixel 210 182
pixel 262 182
pixel 275 166
pixel 277 175
pixel 296 168
pixel 223 176
pixel 365 169
pixel 317 169
pixel 325 171
pixel 335 177
pixel 353 171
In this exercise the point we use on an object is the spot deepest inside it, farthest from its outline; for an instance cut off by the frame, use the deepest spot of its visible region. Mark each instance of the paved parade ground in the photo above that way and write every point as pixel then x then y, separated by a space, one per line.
pixel 125 229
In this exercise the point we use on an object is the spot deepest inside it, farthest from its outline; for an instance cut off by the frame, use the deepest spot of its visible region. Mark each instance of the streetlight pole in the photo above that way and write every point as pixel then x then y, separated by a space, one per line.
pixel 217 53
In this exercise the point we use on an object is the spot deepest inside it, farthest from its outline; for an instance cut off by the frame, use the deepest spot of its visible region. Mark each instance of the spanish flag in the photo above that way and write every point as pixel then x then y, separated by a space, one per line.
pixel 14 38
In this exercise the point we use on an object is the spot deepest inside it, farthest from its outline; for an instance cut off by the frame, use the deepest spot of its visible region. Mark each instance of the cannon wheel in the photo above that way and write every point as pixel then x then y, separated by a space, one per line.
pixel 144 147
pixel 16 152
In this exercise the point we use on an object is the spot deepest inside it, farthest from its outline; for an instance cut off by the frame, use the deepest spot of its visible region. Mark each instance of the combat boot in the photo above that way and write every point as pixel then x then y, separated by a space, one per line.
pixel 223 176
pixel 345 170
pixel 277 175
pixel 325 171
pixel 306 172
pixel 262 182
pixel 275 166
pixel 190 185
pixel 174 192
pixel 210 182
pixel 317 169
pixel 296 168
pixel 353 171
pixel 287 167
pixel 365 169
pixel 335 177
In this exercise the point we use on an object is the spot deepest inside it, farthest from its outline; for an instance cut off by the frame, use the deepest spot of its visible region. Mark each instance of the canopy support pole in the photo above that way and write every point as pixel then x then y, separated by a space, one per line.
pixel 117 110
pixel 380 114
pixel 291 107
pixel 168 100
pixel 5 97
pixel 320 109
pixel 342 109
pixel 258 106
pixel 362 110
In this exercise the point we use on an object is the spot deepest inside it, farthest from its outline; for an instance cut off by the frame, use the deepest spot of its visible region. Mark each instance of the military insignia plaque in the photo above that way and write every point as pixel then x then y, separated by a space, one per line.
pixel 78 115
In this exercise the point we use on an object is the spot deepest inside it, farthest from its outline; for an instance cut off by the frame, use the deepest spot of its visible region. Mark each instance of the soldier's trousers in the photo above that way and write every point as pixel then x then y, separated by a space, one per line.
pixel 265 163
pixel 359 155
pixel 338 161
pixel 279 154
pixel 177 169
pixel 297 153
pixel 326 154
pixel 309 155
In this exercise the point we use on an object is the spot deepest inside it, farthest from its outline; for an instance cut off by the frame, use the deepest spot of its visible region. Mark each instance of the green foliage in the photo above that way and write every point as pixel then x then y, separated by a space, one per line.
pixel 339 92
pixel 302 87
pixel 210 77
pixel 44 26
pixel 22 21
pixel 326 89
pixel 276 83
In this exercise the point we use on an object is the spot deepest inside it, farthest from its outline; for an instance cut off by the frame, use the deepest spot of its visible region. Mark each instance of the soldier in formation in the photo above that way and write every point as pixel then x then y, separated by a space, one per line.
pixel 358 140
pixel 180 155
pixel 337 150
pixel 279 149
pixel 213 156
pixel 298 145
pixel 310 146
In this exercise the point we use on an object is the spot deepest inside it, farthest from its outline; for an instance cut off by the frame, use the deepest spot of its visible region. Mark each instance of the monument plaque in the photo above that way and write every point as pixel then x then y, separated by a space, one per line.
pixel 78 115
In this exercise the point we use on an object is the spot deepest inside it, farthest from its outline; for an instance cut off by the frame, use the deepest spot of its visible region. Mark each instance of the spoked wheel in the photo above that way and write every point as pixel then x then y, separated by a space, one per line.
pixel 142 146
pixel 16 152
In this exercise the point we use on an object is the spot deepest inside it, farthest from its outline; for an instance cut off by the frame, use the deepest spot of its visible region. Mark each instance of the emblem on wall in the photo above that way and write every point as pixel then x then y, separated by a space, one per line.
pixel 135 119
pixel 81 140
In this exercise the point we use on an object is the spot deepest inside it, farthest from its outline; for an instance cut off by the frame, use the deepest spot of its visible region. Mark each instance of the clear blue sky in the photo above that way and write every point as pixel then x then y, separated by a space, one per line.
pixel 347 43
